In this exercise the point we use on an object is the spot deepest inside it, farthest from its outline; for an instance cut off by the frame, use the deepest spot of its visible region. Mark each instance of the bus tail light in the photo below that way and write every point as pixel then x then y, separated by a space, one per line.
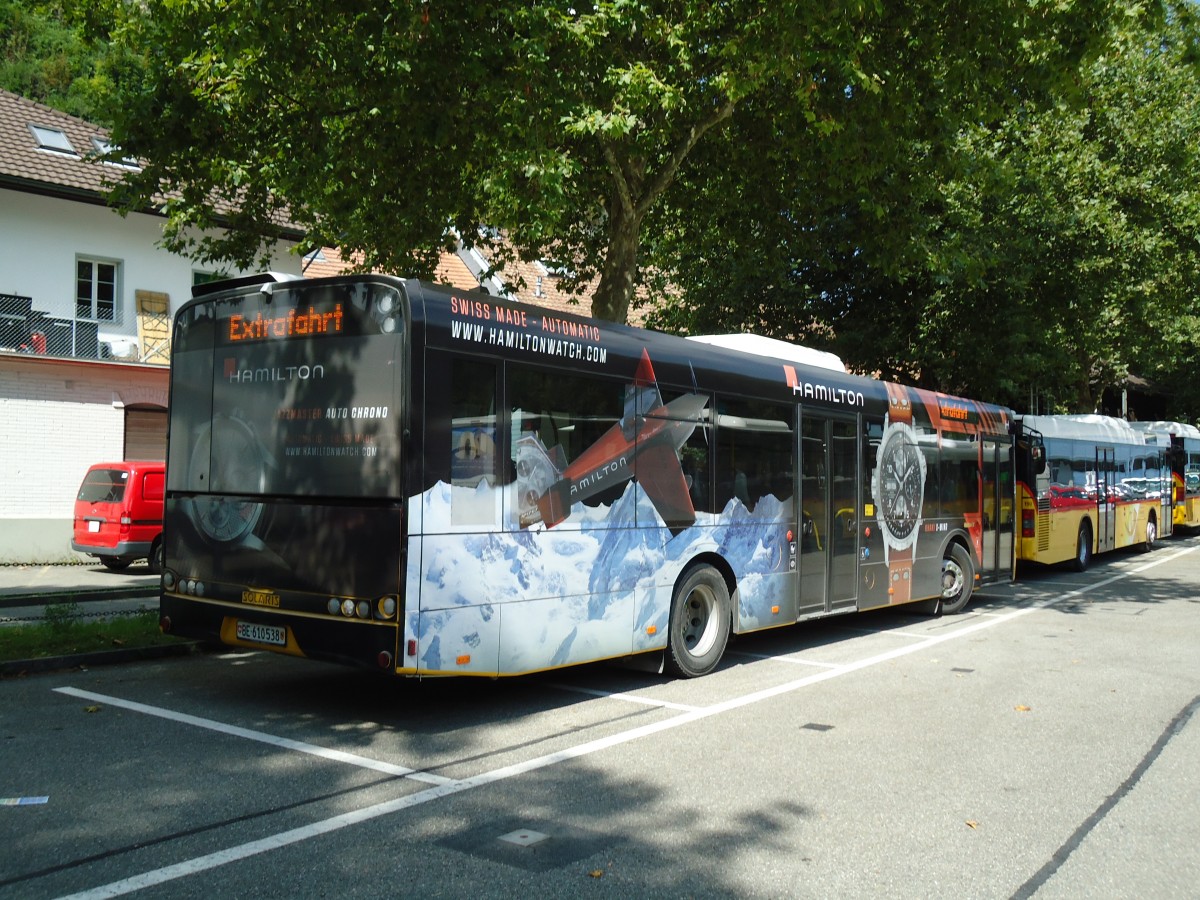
pixel 1027 525
pixel 384 659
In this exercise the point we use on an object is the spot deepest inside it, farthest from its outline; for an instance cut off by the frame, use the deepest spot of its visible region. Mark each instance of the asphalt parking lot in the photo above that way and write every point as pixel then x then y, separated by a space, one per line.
pixel 1042 744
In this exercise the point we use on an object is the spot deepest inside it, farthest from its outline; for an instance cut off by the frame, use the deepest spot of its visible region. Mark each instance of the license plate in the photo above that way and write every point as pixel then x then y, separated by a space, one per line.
pixel 94 526
pixel 262 634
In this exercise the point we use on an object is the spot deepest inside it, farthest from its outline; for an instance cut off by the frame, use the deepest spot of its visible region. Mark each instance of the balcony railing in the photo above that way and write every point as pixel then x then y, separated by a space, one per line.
pixel 24 329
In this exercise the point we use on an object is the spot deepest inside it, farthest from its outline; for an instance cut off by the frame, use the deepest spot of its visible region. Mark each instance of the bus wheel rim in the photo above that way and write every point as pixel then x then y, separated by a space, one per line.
pixel 953 579
pixel 698 628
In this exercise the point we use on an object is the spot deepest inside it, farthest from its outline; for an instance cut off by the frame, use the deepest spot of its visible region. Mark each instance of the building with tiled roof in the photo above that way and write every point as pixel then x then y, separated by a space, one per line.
pixel 451 269
pixel 86 300
pixel 535 282
pixel 79 273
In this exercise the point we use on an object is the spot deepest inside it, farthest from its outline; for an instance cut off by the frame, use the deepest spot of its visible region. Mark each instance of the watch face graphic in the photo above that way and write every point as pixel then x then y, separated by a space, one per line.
pixel 226 453
pixel 899 485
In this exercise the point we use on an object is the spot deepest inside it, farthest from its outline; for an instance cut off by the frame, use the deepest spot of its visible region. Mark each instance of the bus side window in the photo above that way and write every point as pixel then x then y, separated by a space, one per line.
pixel 959 471
pixel 556 417
pixel 473 457
pixel 755 452
pixel 695 457
pixel 473 423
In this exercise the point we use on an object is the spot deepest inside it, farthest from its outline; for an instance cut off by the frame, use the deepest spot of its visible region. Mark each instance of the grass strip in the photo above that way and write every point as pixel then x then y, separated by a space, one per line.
pixel 63 632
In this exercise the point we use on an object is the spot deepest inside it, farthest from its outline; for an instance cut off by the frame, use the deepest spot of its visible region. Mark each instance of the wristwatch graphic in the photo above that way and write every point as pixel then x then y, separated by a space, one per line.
pixel 898 486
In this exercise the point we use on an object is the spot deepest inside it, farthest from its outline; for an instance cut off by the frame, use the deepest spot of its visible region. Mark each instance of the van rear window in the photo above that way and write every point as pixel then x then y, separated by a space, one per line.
pixel 103 486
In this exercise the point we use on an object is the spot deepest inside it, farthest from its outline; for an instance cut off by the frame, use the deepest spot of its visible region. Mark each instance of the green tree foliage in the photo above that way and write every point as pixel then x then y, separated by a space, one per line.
pixel 990 197
pixel 45 56
pixel 1038 257
pixel 602 137
pixel 1075 240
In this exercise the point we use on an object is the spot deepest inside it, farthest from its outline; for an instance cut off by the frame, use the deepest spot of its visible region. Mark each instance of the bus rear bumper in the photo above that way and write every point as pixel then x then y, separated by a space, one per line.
pixel 366 645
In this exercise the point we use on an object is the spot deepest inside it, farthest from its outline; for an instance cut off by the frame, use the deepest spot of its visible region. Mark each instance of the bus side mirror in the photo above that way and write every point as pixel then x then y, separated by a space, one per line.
pixel 1038 453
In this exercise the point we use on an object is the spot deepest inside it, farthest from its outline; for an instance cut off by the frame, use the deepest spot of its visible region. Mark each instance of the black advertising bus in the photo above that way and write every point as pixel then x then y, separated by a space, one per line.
pixel 391 474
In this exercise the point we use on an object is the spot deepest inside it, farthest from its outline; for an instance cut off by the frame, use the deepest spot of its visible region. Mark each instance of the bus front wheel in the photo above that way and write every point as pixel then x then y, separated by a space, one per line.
pixel 700 621
pixel 1083 548
pixel 958 580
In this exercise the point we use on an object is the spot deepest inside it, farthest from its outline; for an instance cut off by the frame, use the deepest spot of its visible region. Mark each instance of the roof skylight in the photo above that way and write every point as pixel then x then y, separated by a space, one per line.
pixel 53 139
pixel 104 147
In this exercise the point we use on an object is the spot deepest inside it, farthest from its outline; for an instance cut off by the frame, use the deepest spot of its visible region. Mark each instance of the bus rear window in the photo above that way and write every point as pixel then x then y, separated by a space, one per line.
pixel 306 395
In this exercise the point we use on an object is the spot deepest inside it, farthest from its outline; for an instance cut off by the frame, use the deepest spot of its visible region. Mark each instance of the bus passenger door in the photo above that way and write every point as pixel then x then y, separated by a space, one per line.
pixel 830 508
pixel 998 512
pixel 1106 506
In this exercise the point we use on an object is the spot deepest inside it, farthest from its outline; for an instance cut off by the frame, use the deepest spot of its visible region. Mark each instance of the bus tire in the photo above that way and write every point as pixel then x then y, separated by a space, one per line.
pixel 1151 534
pixel 1083 548
pixel 958 580
pixel 700 623
pixel 156 558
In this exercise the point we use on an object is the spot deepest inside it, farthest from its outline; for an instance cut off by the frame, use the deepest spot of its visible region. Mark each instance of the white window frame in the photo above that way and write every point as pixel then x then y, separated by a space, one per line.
pixel 94 262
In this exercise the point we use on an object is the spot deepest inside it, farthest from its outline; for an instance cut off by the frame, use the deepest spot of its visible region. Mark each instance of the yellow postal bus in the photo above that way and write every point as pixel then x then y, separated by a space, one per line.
pixel 1088 484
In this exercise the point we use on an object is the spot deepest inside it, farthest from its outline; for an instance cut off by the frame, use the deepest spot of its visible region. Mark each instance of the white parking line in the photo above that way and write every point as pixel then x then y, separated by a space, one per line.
pixel 886 632
pixel 622 695
pixel 283 839
pixel 794 660
pixel 362 762
pixel 325 826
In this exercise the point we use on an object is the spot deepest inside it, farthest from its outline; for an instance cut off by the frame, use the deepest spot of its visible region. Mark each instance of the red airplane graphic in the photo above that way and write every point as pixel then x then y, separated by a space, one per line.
pixel 643 445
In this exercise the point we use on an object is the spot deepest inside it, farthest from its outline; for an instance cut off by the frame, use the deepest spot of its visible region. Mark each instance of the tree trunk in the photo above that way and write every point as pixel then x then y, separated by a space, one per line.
pixel 633 196
pixel 614 293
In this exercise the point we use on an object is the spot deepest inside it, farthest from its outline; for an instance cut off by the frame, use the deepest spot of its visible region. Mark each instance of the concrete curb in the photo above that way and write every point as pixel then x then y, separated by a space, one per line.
pixel 20 667
pixel 81 595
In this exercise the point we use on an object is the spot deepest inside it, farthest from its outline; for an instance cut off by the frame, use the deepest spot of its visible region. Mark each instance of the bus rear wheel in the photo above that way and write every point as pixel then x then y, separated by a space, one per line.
pixel 156 558
pixel 958 580
pixel 700 622
pixel 1083 548
pixel 1151 535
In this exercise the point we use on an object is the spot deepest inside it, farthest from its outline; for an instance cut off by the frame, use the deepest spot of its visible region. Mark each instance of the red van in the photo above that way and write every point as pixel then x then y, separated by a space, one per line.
pixel 119 513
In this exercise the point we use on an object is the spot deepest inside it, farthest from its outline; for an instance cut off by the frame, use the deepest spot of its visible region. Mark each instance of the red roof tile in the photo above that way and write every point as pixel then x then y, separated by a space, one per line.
pixel 450 271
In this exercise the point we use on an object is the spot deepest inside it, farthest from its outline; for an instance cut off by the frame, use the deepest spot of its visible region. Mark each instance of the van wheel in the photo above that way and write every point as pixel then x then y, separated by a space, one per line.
pixel 1083 548
pixel 156 558
pixel 699 626
pixel 116 563
pixel 958 580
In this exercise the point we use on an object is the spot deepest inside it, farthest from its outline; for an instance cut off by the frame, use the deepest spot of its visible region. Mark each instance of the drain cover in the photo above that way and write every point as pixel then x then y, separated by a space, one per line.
pixel 524 837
